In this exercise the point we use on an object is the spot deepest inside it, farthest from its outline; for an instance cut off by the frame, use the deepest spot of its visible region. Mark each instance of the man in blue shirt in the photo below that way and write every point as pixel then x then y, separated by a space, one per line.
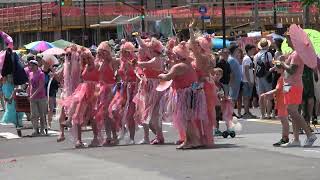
pixel 236 74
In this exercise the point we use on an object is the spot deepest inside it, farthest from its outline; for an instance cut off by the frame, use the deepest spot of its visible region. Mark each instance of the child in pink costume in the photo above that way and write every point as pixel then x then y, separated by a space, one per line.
pixel 223 101
pixel 81 104
pixel 201 48
pixel 148 99
pixel 122 108
pixel 186 103
pixel 107 66
pixel 70 76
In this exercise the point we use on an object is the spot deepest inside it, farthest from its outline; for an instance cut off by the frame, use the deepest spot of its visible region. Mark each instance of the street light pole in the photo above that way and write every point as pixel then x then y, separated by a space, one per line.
pixel 143 28
pixel 41 22
pixel 224 24
pixel 84 31
pixel 275 13
pixel 60 14
pixel 256 15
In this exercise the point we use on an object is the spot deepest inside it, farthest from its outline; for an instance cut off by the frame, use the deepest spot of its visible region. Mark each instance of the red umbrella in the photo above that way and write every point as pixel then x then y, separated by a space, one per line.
pixel 303 45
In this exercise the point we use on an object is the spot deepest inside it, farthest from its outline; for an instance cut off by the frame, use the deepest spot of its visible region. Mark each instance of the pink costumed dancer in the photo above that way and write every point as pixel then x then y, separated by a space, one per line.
pixel 107 67
pixel 70 76
pixel 81 104
pixel 122 108
pixel 147 99
pixel 186 103
pixel 201 48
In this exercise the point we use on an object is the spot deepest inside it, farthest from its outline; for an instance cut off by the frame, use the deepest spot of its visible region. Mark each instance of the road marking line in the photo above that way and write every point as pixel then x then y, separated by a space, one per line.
pixel 8 135
pixel 5 124
pixel 308 150
pixel 265 121
pixel 53 133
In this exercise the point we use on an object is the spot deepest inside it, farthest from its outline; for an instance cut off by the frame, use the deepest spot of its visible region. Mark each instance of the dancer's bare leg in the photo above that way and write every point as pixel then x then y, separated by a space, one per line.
pixel 156 126
pixel 79 143
pixel 285 127
pixel 132 128
pixel 62 118
pixel 298 122
pixel 310 110
pixel 95 130
pixel 146 133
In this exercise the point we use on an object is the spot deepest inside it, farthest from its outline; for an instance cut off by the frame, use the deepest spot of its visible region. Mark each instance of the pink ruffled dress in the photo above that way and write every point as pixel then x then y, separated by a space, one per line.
pixel 122 107
pixel 211 100
pixel 226 106
pixel 71 74
pixel 185 101
pixel 147 99
pixel 81 103
pixel 106 83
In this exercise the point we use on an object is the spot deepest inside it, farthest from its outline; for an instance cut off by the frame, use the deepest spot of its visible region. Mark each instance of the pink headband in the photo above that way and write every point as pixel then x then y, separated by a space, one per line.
pixel 205 43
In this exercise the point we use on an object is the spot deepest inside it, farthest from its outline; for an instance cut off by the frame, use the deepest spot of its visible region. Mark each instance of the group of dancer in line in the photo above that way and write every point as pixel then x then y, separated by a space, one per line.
pixel 116 95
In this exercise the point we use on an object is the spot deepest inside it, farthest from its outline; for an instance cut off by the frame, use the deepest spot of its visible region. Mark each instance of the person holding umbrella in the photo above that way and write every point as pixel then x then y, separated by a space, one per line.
pixel 293 87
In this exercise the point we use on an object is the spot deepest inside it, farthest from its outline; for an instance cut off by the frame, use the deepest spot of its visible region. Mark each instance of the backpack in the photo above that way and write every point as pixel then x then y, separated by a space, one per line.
pixel 262 67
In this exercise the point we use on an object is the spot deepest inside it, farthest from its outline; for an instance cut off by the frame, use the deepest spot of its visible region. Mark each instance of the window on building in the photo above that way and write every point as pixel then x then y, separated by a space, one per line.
pixel 174 3
pixel 158 3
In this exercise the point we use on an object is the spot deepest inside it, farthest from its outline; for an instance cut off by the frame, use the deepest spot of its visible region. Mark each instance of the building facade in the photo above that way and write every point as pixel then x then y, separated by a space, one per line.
pixel 30 20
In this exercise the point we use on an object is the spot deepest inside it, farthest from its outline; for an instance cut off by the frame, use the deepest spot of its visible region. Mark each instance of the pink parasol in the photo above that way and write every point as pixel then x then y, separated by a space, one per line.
pixel 303 45
pixel 54 51
pixel 163 85
pixel 50 59
pixel 7 39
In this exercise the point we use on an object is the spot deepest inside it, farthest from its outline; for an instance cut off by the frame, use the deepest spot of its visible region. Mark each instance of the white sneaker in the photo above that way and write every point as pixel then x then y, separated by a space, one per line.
pixel 131 142
pixel 122 134
pixel 309 141
pixel 144 141
pixel 293 143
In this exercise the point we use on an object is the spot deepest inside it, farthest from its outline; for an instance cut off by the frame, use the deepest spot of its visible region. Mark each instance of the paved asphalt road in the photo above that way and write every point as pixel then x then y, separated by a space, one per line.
pixel 249 156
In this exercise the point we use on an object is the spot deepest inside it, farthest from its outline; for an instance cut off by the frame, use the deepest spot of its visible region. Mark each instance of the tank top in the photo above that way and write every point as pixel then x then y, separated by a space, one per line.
pixel 90 75
pixel 127 73
pixel 107 75
pixel 185 80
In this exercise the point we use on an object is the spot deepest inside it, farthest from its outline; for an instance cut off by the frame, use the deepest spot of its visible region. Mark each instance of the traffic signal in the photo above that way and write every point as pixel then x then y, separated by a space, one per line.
pixel 66 2
pixel 142 13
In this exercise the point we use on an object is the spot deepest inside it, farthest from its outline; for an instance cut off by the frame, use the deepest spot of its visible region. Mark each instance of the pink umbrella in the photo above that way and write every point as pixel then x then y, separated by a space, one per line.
pixel 39 46
pixel 7 39
pixel 303 45
pixel 54 51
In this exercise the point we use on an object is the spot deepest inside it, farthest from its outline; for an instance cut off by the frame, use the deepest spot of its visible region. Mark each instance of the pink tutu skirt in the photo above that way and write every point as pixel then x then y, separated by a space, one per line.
pixel 81 104
pixel 122 107
pixel 183 105
pixel 147 101
pixel 227 111
pixel 103 102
